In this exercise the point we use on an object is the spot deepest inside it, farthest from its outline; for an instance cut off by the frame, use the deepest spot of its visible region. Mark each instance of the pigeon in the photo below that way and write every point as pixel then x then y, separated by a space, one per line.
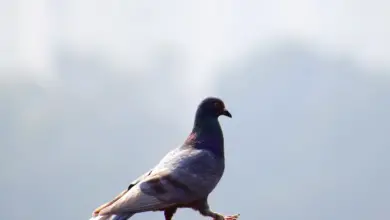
pixel 183 178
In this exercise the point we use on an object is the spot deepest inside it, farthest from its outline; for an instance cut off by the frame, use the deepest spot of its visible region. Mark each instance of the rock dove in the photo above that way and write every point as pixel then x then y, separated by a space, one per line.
pixel 183 178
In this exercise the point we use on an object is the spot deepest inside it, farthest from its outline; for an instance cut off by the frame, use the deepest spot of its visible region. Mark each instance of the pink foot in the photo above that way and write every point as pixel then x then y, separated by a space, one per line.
pixel 232 217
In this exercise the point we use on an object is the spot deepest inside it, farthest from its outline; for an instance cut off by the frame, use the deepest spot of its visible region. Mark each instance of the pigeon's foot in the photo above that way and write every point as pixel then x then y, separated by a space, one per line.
pixel 217 216
pixel 204 209
pixel 232 217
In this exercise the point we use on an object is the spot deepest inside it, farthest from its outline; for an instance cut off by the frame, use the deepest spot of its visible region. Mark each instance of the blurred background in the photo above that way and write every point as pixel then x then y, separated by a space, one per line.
pixel 94 93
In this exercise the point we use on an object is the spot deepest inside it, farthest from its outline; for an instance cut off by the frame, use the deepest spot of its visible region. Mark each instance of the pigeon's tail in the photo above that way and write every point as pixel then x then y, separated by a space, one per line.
pixel 123 217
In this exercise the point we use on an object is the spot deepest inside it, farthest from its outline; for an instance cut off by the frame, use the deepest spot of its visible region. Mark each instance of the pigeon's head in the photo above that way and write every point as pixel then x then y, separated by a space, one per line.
pixel 212 107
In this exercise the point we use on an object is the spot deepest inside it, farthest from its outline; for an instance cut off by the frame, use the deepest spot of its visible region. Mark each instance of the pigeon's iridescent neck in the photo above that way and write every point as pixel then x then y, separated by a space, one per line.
pixel 207 135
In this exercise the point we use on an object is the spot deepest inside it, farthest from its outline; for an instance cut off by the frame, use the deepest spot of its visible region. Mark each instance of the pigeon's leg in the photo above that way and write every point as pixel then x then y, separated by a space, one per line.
pixel 217 216
pixel 204 209
pixel 168 213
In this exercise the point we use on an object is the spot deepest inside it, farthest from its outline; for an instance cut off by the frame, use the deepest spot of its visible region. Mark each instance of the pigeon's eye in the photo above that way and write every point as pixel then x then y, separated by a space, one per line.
pixel 218 105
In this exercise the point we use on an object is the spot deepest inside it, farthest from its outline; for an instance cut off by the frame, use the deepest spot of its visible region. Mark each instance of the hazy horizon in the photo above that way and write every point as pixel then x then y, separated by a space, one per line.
pixel 93 94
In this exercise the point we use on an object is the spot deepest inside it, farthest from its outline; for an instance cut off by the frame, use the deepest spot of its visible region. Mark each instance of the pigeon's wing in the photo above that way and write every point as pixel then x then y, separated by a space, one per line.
pixel 135 200
pixel 185 177
pixel 135 182
pixel 106 205
pixel 190 174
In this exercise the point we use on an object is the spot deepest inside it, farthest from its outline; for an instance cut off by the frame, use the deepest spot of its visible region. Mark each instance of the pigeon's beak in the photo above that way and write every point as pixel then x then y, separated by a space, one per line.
pixel 226 113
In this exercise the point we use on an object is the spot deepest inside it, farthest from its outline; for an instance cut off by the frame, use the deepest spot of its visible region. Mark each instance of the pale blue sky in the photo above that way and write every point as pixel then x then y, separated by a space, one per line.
pixel 94 93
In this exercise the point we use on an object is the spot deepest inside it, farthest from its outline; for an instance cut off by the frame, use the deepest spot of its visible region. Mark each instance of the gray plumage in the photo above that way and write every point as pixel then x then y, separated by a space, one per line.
pixel 184 177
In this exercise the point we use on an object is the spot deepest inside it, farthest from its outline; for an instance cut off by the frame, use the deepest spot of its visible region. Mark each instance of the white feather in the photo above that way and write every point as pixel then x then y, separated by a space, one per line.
pixel 101 217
